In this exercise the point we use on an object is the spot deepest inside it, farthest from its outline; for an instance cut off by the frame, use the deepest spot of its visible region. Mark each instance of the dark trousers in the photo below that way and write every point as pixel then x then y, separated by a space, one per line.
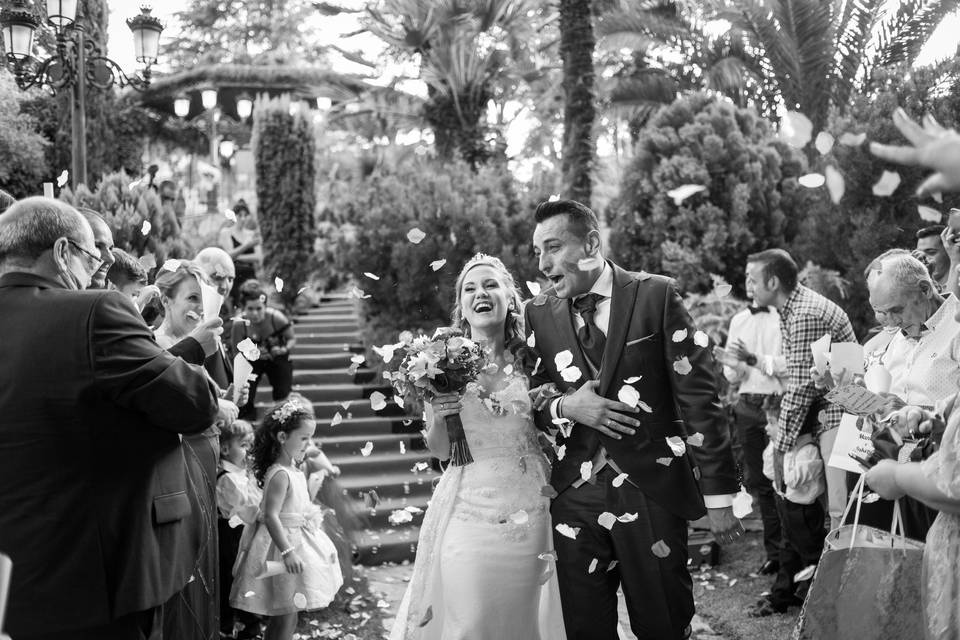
pixel 750 423
pixel 142 625
pixel 658 590
pixel 229 547
pixel 803 536
pixel 279 371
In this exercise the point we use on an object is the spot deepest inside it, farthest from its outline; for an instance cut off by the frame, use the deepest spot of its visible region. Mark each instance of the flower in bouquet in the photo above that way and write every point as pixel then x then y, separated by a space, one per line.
pixel 428 366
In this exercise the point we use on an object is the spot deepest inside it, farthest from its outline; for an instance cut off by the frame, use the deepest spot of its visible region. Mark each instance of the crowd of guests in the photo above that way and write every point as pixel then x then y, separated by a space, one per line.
pixel 135 500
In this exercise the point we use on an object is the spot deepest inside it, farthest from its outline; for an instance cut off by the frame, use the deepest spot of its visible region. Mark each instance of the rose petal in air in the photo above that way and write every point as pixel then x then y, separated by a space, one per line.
pixel 644 406
pixel 627 517
pixel 812 180
pixel 677 445
pixel 660 549
pixel 805 574
pixel 416 236
pixel 796 129
pixel 929 214
pixel 568 531
pixel 378 401
pixel 534 287
pixel 520 517
pixel 563 359
pixel 249 594
pixel 170 265
pixel 887 184
pixel 561 451
pixel 145 228
pixel 742 504
pixel 278 284
pixel 586 469
pixel 823 143
pixel 532 340
pixel 372 276
pixel 852 139
pixel 337 419
pixel 593 566
pixel 684 191
pixel 665 461
pixel 299 601
pixel 628 395
pixel 632 379
pixel 436 265
pixel 571 374
pixel 870 498
pixel 606 519
pixel 619 480
pixel 937 197
pixel 548 556
pixel 367 449
pixel 701 339
pixel 62 179
pixel 679 335
pixel 723 290
pixel 695 440
pixel 358 358
pixel 682 366
pixel 612 564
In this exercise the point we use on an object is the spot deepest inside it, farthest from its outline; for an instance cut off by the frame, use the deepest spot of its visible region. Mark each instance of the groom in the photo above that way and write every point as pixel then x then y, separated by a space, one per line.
pixel 663 462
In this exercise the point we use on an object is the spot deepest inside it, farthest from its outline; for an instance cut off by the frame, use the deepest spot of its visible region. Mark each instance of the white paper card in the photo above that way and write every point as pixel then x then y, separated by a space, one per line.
pixel 846 356
pixel 241 373
pixel 877 379
pixel 272 568
pixel 850 440
pixel 212 301
pixel 820 349
pixel 856 399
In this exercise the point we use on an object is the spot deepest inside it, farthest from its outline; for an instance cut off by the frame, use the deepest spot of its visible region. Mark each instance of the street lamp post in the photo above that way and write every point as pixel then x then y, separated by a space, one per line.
pixel 77 61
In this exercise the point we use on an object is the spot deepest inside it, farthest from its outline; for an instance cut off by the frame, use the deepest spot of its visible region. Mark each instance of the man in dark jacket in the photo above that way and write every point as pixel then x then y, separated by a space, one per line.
pixel 93 487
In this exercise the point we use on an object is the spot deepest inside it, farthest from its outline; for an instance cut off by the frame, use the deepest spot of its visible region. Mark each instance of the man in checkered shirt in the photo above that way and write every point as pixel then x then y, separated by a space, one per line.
pixel 805 316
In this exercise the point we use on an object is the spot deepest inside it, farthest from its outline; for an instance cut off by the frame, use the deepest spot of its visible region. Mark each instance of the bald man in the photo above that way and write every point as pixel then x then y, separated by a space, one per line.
pixel 94 504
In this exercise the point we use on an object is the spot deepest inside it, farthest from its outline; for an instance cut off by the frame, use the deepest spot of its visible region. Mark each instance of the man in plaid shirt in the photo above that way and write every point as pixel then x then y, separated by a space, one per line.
pixel 805 316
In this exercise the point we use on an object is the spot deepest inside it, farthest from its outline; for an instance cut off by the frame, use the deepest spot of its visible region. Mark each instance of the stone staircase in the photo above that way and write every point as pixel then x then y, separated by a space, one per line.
pixel 328 337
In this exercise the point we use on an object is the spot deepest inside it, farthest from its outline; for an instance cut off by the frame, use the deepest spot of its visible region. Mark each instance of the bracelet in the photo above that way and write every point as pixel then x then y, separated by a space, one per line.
pixel 560 406
pixel 286 552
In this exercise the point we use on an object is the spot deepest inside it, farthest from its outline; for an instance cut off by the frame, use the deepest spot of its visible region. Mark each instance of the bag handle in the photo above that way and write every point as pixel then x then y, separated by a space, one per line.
pixel 897 530
pixel 856 496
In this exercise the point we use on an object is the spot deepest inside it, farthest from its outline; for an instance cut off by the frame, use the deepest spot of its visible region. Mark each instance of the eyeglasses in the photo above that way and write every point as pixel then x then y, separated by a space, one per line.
pixel 97 260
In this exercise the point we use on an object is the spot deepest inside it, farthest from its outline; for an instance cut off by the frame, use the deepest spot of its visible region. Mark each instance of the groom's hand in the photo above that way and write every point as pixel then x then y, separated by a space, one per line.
pixel 606 416
pixel 724 525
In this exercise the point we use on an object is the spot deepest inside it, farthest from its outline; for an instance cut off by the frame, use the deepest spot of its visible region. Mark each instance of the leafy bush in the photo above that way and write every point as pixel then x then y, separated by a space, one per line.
pixel 284 150
pixel 461 213
pixel 22 161
pixel 848 235
pixel 751 200
pixel 125 211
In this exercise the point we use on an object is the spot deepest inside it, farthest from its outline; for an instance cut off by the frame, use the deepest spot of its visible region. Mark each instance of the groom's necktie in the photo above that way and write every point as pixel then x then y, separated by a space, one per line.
pixel 591 338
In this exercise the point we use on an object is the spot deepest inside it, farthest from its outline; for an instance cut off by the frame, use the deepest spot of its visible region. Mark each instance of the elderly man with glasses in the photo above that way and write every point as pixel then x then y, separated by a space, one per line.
pixel 94 498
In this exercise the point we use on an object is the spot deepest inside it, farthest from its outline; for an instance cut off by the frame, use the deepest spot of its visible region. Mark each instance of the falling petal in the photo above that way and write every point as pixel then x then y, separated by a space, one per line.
pixel 371 275
pixel 403 448
pixel 278 284
pixel 796 129
pixel 62 179
pixel 613 563
pixel 547 491
pixel 742 504
pixel 532 340
pixel 929 214
pixel 413 509
pixel 682 366
pixel 571 374
pixel 427 617
pixel 299 601
pixel 534 287
pixel 627 517
pixel 398 401
pixel 247 347
pixel 677 445
pixel 520 517
pixel 870 498
pixel 589 264
pixel 399 516
pixel 823 143
pixel 371 499
pixel 249 594
pixel 337 419
pixel 644 406
pixel 561 452
pixel 665 461
pixel 567 530
pixel 367 449
pixel 887 184
pixel 632 379
pixel 563 360
pixel 553 198
pixel 346 404
pixel 148 261
pixel 145 228
pixel 536 365
pixel 679 335
pixel 593 566
pixel 701 339
pixel 852 139
pixel 607 519
pixel 683 192
pixel 436 265
pixel 660 549
pixel 937 197
pixel 378 401
pixel 805 574
pixel 586 470
pixel 835 184
pixel 420 466
pixel 548 556
pixel 812 180
pixel 357 358
pixel 230 215
pixel 358 294
pixel 628 395
pixel 695 440
pixel 723 290
pixel 416 236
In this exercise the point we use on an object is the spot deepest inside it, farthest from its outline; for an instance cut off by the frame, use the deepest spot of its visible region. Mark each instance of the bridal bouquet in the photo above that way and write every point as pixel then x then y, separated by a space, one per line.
pixel 444 363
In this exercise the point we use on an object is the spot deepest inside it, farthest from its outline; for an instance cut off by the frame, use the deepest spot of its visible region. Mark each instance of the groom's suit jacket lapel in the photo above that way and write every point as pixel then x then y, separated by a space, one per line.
pixel 622 304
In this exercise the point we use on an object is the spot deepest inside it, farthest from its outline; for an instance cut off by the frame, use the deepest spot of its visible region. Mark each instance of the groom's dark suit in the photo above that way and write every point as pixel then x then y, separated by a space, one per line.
pixel 678 383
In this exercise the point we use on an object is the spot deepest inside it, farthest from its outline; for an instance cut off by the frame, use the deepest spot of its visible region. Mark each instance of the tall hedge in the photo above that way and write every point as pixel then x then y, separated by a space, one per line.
pixel 284 150
pixel 751 200
pixel 460 211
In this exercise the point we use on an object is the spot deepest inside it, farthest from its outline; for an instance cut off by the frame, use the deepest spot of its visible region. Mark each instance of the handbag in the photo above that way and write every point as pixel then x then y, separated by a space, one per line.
pixel 867 584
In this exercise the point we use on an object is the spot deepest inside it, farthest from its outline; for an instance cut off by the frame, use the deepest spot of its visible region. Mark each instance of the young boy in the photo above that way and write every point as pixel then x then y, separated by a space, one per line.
pixel 238 499
pixel 126 274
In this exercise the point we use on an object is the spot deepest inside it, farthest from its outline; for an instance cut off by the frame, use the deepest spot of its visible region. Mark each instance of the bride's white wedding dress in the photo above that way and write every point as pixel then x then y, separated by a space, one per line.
pixel 482 571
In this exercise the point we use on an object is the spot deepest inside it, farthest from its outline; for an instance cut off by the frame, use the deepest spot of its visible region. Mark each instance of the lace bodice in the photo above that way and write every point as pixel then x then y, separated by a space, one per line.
pixel 500 424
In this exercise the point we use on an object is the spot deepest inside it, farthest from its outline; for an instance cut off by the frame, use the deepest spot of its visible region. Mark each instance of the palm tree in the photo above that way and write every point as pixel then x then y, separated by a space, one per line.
pixel 576 49
pixel 463 48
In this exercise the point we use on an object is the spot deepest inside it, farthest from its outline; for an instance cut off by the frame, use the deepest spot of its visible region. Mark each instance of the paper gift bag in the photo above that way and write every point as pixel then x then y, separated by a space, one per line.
pixel 867 585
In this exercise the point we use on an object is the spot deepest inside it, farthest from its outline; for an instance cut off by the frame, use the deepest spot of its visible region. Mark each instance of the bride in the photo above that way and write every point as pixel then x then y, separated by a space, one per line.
pixel 484 567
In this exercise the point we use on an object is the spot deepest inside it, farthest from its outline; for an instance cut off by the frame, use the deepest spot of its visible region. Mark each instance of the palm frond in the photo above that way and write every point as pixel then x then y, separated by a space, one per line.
pixel 902 36
pixel 854 27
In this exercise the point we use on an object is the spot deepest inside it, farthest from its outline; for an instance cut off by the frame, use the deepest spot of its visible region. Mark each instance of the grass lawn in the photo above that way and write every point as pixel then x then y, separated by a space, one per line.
pixel 723 594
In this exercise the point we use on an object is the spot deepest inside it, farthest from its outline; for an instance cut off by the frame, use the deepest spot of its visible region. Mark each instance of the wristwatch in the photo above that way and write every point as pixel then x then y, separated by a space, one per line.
pixel 751 360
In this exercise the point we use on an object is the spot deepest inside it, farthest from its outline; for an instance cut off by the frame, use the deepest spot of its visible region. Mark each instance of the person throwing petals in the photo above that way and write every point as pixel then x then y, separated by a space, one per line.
pixel 628 474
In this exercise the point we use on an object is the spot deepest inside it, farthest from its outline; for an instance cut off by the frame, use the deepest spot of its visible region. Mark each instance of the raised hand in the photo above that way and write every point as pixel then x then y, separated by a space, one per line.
pixel 934 147
pixel 206 333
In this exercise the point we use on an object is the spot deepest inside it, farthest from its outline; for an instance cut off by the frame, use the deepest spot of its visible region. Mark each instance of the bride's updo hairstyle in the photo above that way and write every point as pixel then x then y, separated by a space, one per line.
pixel 514 339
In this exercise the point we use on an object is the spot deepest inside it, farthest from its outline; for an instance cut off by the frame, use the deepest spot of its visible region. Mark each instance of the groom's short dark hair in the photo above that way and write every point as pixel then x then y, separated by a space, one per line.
pixel 582 219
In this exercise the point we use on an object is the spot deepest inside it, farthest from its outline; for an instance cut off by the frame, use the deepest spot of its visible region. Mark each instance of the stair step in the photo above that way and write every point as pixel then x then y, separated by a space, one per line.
pixel 323 360
pixel 378 519
pixel 374 425
pixel 341 338
pixel 331 315
pixel 307 349
pixel 357 408
pixel 385 462
pixel 327 326
pixel 389 485
pixel 381 547
pixel 383 442
pixel 333 376
pixel 328 392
